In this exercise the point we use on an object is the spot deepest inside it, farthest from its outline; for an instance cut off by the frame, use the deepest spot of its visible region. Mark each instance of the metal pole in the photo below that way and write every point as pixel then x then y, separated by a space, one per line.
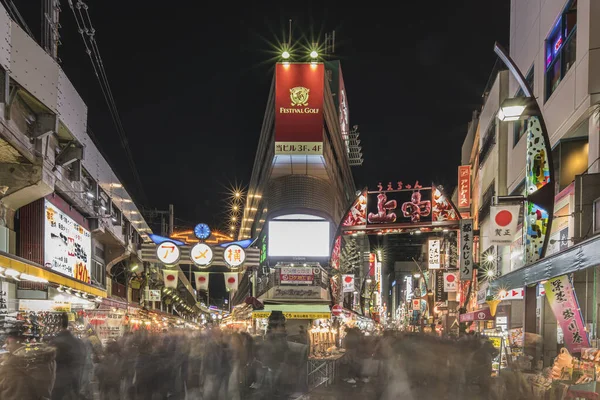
pixel 171 219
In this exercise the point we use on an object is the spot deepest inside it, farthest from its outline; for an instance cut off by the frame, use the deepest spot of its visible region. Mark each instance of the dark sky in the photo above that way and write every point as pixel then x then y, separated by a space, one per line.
pixel 191 85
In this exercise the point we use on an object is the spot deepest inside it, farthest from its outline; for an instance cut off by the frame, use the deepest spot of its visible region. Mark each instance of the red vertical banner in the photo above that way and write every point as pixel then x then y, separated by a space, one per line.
pixel 372 262
pixel 299 91
pixel 464 186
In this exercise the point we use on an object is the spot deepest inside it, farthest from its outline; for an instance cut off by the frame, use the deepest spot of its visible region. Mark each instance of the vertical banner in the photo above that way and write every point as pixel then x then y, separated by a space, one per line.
pixel 201 280
pixel 371 264
pixel 466 249
pixel 348 283
pixel 171 278
pixel 464 186
pixel 299 92
pixel 563 301
pixel 434 253
pixel 231 280
pixel 440 293
pixel 503 227
pixel 450 282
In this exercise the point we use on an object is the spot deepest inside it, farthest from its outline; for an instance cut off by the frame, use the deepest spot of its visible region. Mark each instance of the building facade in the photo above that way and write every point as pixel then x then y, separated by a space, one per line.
pixel 555 45
pixel 68 227
pixel 301 183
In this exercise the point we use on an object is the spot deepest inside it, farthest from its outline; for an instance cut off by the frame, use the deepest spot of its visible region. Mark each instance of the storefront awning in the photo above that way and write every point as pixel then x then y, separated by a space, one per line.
pixel 25 267
pixel 295 311
pixel 576 258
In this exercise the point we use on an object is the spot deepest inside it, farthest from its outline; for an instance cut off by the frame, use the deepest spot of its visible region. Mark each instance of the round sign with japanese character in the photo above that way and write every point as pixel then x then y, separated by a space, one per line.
pixel 234 255
pixel 168 253
pixel 201 254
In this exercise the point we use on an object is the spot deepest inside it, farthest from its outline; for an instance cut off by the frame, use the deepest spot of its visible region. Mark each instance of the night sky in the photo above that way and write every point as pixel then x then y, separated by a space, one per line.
pixel 191 85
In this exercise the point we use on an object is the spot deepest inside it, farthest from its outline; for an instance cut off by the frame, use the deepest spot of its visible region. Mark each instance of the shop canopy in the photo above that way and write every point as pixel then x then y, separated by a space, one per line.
pixel 26 267
pixel 576 258
pixel 295 311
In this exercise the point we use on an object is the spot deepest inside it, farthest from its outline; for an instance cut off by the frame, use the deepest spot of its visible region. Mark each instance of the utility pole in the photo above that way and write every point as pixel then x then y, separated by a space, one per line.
pixel 171 219
pixel 50 25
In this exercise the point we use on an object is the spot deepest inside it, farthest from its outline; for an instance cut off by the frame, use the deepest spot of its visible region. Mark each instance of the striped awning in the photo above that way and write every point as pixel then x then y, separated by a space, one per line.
pixel 295 311
pixel 23 266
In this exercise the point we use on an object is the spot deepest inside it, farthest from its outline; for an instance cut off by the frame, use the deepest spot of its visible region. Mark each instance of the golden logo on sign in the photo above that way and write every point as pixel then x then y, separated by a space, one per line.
pixel 299 96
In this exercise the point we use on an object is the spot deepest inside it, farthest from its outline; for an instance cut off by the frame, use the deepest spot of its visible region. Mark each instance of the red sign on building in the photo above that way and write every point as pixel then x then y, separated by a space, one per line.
pixel 464 186
pixel 299 91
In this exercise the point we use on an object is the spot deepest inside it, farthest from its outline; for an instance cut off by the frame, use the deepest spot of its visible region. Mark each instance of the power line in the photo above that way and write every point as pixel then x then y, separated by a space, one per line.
pixel 88 34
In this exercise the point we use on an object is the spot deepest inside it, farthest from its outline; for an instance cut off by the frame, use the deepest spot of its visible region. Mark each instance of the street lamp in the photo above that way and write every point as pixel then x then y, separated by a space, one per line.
pixel 539 194
pixel 514 109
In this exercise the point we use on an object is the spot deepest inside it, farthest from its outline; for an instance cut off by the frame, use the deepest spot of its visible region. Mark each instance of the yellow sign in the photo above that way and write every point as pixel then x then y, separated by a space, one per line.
pixel 496 341
pixel 299 96
pixel 294 315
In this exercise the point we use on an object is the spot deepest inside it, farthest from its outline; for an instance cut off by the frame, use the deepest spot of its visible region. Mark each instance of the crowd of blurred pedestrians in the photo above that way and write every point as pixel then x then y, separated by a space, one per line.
pixel 176 364
pixel 215 365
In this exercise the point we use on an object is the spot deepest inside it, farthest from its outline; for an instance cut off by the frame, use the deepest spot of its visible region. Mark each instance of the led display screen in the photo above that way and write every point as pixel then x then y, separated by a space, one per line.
pixel 298 239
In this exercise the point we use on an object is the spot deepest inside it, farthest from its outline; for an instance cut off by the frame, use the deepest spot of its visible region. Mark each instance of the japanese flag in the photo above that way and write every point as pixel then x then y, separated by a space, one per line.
pixel 170 277
pixel 348 283
pixel 231 280
pixel 201 280
pixel 504 219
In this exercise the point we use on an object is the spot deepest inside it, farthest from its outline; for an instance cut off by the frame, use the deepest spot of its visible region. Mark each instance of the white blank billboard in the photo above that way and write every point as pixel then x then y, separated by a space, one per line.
pixel 298 239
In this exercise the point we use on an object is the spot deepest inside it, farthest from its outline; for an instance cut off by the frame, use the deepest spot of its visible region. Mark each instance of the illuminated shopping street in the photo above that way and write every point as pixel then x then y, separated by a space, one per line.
pixel 299 201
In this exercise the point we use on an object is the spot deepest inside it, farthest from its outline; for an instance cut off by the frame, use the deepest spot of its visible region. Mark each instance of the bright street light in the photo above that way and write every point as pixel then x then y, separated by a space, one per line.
pixel 513 109
pixel 285 55
pixel 314 54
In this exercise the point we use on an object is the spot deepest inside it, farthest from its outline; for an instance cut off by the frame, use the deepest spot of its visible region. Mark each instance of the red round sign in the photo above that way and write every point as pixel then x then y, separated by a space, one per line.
pixel 337 309
pixel 170 277
pixel 348 279
pixel 503 218
pixel 202 279
pixel 231 280
pixel 450 277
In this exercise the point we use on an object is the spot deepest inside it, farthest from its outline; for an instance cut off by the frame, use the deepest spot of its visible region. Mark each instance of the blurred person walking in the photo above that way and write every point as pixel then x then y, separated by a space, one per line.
pixel 28 371
pixel 70 360
pixel 109 372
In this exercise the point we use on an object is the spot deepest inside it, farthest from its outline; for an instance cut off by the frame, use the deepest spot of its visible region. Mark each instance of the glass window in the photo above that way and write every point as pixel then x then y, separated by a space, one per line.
pixel 560 48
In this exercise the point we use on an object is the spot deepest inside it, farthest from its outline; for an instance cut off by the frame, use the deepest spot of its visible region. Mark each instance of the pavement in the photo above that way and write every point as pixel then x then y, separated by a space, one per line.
pixel 342 390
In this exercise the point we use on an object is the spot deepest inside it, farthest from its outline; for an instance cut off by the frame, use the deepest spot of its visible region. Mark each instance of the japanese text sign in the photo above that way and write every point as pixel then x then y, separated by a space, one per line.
pixel 168 253
pixel 466 249
pixel 503 227
pixel 299 93
pixel 434 254
pixel 301 275
pixel 464 186
pixel 450 282
pixel 234 255
pixel 561 296
pixel 67 245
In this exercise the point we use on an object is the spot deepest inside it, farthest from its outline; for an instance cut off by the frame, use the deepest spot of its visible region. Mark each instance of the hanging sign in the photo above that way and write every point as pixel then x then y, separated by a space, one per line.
pixel 563 301
pixel 231 280
pixel 170 278
pixel 168 253
pixel 67 245
pixel 234 255
pixel 201 254
pixel 300 275
pixel 450 282
pixel 348 283
pixel 201 280
pixel 434 254
pixel 513 294
pixel 466 249
pixel 153 295
pixel 440 293
pixel 464 186
pixel 503 225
